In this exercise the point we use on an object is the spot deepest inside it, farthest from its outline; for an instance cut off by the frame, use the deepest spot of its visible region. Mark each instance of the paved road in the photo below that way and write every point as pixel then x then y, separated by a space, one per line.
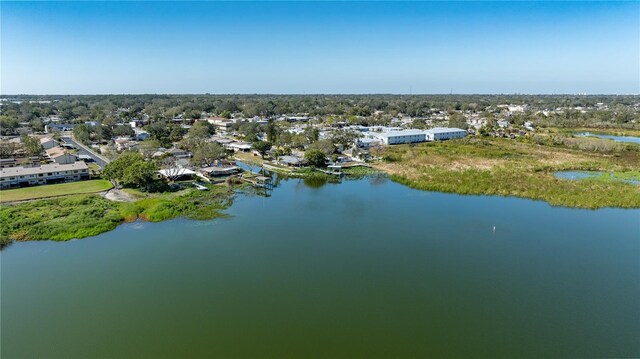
pixel 84 150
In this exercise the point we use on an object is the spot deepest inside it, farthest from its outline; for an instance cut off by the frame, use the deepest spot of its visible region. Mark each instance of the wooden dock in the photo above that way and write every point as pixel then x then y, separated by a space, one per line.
pixel 259 181
pixel 330 172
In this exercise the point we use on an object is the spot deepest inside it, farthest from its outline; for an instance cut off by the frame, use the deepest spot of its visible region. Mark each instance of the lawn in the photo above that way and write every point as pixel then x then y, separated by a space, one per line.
pixel 54 190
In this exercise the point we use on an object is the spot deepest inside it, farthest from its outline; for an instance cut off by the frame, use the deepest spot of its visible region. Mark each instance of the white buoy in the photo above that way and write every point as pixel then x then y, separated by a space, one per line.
pixel 494 229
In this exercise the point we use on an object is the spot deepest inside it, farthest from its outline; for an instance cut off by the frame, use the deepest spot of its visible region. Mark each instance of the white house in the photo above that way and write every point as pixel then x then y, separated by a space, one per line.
pixel 477 122
pixel 503 123
pixel 367 142
pixel 239 146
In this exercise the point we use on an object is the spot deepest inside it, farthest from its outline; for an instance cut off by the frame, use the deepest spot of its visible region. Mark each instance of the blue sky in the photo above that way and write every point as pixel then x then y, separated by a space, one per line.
pixel 319 47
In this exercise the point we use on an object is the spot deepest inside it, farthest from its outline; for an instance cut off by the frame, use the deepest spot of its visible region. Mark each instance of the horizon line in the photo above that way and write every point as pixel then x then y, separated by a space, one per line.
pixel 326 94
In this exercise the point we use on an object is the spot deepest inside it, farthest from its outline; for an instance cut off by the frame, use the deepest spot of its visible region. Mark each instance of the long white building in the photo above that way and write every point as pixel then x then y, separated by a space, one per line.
pixel 399 137
pixel 414 136
pixel 45 174
pixel 444 133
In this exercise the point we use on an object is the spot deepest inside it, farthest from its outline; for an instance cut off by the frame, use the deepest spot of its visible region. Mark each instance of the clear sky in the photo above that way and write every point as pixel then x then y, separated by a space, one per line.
pixel 319 47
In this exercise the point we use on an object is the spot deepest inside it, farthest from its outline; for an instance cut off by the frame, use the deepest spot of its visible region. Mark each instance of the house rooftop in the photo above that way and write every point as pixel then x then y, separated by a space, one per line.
pixel 290 159
pixel 56 152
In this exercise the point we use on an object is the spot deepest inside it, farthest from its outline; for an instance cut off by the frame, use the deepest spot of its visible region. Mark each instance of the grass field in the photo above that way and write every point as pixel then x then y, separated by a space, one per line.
pixel 54 190
pixel 516 168
pixel 249 158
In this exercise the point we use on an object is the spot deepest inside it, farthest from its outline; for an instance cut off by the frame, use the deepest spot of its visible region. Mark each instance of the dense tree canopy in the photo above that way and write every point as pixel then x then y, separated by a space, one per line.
pixel 315 157
pixel 110 110
pixel 131 170
pixel 32 146
pixel 207 153
pixel 262 147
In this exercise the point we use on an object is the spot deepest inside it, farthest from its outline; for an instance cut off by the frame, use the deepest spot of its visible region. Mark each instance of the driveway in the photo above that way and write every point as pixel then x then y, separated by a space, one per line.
pixel 84 150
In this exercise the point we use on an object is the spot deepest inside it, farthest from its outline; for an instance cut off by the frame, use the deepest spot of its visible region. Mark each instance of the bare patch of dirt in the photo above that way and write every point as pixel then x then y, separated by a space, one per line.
pixel 118 195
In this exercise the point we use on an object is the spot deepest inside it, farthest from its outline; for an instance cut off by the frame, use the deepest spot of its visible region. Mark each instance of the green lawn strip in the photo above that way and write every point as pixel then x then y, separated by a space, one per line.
pixel 54 190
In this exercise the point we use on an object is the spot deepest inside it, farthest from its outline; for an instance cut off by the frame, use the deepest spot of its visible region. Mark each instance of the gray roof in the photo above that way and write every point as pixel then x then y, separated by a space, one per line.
pixel 410 132
pixel 445 130
pixel 62 125
pixel 291 160
pixel 52 167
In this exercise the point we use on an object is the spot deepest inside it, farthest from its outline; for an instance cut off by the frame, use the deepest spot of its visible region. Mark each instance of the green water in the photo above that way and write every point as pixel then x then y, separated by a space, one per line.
pixel 365 268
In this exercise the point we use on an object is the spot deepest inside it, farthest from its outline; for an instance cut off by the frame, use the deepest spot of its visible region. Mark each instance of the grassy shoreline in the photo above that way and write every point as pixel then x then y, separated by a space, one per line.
pixel 474 166
pixel 515 168
pixel 86 215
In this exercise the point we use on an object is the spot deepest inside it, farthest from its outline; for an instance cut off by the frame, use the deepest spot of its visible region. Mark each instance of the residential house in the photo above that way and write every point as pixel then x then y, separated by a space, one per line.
pixel 178 153
pixel 59 127
pixel 48 142
pixel 504 123
pixel 239 146
pixel 60 156
pixel 223 170
pixel 292 161
pixel 45 174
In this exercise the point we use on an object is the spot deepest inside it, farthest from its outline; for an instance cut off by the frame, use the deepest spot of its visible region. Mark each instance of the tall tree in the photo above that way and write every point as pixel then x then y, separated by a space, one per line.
pixel 32 146
pixel 262 147
pixel 272 132
pixel 131 170
pixel 316 158
pixel 82 133
pixel 207 154
pixel 7 148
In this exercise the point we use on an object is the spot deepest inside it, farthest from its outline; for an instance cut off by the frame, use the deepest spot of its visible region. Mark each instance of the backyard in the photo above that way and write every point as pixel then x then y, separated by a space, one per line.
pixel 54 190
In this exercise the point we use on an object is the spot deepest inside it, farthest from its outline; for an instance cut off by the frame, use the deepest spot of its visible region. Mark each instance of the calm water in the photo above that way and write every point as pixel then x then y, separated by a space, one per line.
pixel 577 175
pixel 629 139
pixel 365 268
pixel 580 175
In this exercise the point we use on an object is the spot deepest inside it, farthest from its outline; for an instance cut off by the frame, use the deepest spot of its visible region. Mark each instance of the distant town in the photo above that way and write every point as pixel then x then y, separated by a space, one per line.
pixel 49 139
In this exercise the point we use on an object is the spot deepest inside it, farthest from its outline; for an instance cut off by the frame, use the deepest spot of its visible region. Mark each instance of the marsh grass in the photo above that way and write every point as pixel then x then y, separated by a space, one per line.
pixel 58 219
pixel 80 216
pixel 358 172
pixel 516 168
pixel 189 203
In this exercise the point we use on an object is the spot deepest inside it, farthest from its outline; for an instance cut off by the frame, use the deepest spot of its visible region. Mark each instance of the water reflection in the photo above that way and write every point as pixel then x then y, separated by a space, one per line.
pixel 627 139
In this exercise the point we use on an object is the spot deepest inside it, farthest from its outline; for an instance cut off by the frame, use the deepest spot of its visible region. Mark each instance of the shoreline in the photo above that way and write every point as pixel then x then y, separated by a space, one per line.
pixel 153 209
pixel 479 166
